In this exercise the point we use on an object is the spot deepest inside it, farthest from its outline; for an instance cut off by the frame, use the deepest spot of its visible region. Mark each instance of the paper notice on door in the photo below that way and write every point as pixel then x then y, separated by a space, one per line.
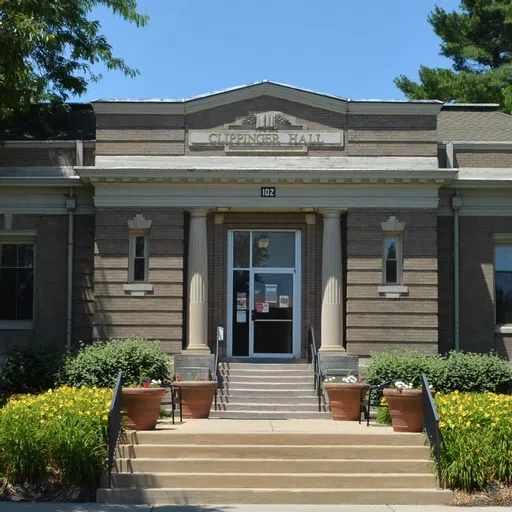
pixel 241 316
pixel 266 307
pixel 284 301
pixel 241 300
pixel 271 293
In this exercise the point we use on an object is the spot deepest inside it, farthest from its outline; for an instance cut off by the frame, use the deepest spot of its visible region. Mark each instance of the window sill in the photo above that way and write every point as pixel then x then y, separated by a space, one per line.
pixel 138 289
pixel 393 291
pixel 16 325
pixel 503 329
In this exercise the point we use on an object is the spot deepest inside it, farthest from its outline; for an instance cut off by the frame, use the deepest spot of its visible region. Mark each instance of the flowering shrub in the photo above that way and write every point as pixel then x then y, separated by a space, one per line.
pixel 476 439
pixel 151 383
pixel 59 437
pixel 196 378
pixel 401 386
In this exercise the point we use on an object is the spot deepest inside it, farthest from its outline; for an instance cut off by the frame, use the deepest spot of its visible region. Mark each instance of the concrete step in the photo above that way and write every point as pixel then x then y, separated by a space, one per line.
pixel 282 407
pixel 212 496
pixel 274 392
pixel 265 385
pixel 264 399
pixel 276 439
pixel 269 415
pixel 271 480
pixel 215 465
pixel 306 379
pixel 266 366
pixel 273 451
pixel 270 374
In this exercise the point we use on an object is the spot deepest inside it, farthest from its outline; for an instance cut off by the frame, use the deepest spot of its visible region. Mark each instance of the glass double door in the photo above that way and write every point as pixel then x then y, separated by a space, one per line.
pixel 264 299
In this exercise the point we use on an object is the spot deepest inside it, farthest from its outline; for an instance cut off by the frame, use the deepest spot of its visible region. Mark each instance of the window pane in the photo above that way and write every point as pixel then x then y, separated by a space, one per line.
pixel 25 255
pixel 139 247
pixel 273 249
pixel 139 269
pixel 25 294
pixel 8 294
pixel 241 249
pixel 503 285
pixel 390 248
pixel 504 258
pixel 9 255
pixel 391 271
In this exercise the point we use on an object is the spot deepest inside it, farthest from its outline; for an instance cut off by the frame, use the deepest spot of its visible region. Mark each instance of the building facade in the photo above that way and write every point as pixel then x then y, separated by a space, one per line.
pixel 266 209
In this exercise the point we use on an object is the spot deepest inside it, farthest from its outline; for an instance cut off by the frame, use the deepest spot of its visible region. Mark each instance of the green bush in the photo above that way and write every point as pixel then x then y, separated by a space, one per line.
pixel 476 439
pixel 456 371
pixel 58 437
pixel 31 369
pixel 98 364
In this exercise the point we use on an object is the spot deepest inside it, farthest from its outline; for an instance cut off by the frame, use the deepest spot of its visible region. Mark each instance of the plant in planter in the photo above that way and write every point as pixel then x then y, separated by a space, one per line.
pixel 141 404
pixel 405 407
pixel 196 396
pixel 345 397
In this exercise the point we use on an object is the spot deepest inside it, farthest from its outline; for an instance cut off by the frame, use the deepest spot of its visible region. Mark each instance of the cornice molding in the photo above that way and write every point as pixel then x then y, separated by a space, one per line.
pixel 46 144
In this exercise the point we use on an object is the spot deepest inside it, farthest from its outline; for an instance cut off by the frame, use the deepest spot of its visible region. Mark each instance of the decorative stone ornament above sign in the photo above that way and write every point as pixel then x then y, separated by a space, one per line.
pixel 263 132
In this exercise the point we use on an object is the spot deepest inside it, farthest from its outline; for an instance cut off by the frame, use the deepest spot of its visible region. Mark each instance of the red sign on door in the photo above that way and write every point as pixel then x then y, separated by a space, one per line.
pixel 259 307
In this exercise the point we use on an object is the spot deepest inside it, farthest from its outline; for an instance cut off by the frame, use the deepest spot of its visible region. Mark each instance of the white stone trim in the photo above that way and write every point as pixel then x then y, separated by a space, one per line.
pixel 482 145
pixel 17 325
pixel 138 289
pixel 29 234
pixel 248 196
pixel 139 222
pixel 393 291
pixel 503 329
pixel 47 144
pixel 8 221
pixel 394 108
pixel 505 238
pixel 392 225
pixel 39 202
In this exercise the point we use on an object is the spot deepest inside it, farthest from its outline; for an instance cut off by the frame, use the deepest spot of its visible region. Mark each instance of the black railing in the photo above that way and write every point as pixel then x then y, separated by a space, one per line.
pixel 114 425
pixel 313 353
pixel 431 425
pixel 215 376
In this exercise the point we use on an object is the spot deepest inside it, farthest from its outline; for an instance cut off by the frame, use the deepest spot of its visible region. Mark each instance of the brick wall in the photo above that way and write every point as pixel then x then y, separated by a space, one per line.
pixel 375 323
pixel 477 287
pixel 156 316
pixel 482 158
pixel 446 283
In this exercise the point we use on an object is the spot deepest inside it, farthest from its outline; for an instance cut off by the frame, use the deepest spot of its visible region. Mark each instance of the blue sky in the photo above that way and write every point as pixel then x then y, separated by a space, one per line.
pixel 350 48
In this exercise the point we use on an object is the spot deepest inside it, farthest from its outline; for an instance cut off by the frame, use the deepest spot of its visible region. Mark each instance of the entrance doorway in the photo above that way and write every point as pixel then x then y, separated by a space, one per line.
pixel 263 294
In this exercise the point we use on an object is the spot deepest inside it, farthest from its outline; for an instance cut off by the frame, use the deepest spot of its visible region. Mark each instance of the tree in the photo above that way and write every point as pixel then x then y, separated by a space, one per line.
pixel 479 42
pixel 48 48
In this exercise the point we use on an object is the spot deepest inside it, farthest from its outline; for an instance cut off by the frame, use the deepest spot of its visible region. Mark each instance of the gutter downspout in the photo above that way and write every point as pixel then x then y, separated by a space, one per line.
pixel 71 205
pixel 456 204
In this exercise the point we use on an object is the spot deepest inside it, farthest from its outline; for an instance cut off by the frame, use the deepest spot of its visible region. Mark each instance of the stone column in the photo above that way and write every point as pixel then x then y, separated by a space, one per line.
pixel 197 342
pixel 332 275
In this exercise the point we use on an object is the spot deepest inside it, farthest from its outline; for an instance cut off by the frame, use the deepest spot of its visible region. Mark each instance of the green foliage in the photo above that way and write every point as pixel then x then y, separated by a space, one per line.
pixel 49 48
pixel 479 41
pixel 476 439
pixel 31 369
pixel 58 436
pixel 383 415
pixel 457 371
pixel 98 364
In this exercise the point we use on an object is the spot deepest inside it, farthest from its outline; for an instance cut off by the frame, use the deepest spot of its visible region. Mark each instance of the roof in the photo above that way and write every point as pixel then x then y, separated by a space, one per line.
pixel 74 121
pixel 473 123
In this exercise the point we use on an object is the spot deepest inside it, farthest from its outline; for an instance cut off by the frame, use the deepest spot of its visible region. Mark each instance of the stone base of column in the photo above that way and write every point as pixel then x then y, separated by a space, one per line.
pixel 336 349
pixel 196 350
pixel 194 366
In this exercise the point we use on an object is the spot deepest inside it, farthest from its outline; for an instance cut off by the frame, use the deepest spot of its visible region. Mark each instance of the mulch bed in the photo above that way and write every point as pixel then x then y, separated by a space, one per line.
pixel 493 495
pixel 46 492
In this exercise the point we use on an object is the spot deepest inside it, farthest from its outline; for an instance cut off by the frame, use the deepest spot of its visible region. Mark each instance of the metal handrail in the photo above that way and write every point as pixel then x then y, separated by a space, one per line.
pixel 114 425
pixel 316 366
pixel 216 368
pixel 431 424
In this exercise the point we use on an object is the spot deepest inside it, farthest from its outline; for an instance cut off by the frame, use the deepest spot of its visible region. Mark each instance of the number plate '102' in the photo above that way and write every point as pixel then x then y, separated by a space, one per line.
pixel 268 191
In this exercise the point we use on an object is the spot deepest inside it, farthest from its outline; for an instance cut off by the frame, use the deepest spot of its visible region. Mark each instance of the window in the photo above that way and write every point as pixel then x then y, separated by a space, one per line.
pixel 503 283
pixel 16 281
pixel 392 260
pixel 138 258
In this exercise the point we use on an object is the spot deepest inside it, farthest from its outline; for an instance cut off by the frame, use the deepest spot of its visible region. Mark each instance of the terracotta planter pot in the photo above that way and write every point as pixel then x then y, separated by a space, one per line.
pixel 142 407
pixel 406 409
pixel 196 398
pixel 345 399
